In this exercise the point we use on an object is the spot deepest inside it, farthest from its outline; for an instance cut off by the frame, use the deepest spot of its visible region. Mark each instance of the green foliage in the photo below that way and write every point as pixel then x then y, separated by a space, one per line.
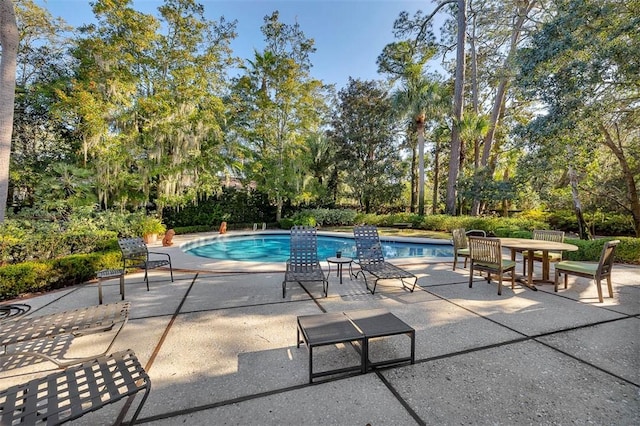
pixel 331 217
pixel 231 205
pixel 628 251
pixel 370 162
pixel 37 276
pixel 150 225
pixel 598 222
pixel 28 277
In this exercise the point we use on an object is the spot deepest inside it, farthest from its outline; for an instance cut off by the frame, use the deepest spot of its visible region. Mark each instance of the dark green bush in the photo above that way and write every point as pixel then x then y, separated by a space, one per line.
pixel 628 251
pixel 27 277
pixel 599 223
pixel 231 205
pixel 36 276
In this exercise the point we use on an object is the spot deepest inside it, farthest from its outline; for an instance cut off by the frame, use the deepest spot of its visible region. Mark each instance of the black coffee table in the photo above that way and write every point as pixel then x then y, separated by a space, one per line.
pixel 351 327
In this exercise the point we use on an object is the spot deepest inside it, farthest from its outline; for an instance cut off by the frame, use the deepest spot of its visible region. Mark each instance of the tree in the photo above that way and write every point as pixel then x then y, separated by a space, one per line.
pixel 458 108
pixel 9 41
pixel 584 66
pixel 364 130
pixel 278 106
pixel 39 135
pixel 420 26
pixel 423 101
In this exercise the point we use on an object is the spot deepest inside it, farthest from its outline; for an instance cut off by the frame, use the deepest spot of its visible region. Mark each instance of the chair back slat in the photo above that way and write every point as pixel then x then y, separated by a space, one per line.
pixel 133 248
pixel 368 247
pixel 606 257
pixel 459 238
pixel 303 254
pixel 484 249
pixel 548 235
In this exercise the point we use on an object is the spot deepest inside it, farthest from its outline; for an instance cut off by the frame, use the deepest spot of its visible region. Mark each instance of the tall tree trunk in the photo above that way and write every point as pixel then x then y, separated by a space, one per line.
pixel 523 11
pixel 458 107
pixel 9 40
pixel 436 180
pixel 414 179
pixel 627 175
pixel 420 128
pixel 583 230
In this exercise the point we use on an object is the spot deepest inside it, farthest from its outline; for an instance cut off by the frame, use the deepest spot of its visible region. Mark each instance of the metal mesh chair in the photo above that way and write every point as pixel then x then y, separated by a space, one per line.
pixel 136 255
pixel 78 322
pixel 67 395
pixel 486 255
pixel 371 259
pixel 303 264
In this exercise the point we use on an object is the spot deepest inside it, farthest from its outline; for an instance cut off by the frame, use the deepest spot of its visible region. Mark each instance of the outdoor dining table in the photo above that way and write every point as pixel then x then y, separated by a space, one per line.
pixel 524 244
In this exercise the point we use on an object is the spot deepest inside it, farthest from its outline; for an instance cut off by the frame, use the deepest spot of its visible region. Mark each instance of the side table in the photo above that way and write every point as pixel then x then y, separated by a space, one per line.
pixel 340 261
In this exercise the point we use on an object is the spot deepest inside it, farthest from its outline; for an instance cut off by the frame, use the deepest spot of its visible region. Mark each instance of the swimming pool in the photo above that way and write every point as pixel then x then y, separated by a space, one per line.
pixel 273 247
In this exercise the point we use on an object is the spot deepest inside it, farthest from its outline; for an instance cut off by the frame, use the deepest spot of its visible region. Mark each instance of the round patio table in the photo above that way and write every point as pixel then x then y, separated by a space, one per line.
pixel 529 245
pixel 340 261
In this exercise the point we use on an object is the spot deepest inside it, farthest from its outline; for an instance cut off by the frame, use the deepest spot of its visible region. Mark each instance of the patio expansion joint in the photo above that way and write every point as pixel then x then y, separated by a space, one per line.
pixel 581 327
pixel 156 350
pixel 400 399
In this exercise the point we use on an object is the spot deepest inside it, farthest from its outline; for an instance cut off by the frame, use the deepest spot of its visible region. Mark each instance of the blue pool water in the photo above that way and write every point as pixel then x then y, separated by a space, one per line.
pixel 275 248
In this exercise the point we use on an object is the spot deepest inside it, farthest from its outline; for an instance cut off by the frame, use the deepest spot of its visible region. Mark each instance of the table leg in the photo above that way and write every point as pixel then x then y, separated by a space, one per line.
pixel 340 271
pixel 545 265
pixel 529 282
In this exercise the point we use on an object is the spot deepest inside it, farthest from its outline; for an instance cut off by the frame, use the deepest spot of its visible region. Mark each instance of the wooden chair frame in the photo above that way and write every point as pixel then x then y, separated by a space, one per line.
pixel 486 255
pixel 601 270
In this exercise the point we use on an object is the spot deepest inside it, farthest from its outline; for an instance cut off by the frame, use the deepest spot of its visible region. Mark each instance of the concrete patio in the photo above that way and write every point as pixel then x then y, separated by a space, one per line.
pixel 219 345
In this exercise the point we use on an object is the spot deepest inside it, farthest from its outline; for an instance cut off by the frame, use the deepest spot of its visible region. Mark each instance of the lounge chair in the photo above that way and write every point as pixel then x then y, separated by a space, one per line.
pixel 303 264
pixel 78 322
pixel 67 395
pixel 595 271
pixel 371 259
pixel 136 255
pixel 485 254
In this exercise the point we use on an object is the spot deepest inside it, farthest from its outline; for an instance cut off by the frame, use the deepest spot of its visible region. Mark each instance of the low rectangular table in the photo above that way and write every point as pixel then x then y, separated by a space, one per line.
pixel 349 327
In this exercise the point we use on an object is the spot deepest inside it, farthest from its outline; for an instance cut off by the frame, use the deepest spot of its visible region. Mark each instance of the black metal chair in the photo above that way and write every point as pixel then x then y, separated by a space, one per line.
pixel 136 255
pixel 371 259
pixel 303 264
pixel 67 395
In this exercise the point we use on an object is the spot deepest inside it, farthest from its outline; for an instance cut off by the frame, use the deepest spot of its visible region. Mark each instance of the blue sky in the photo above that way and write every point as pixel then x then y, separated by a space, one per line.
pixel 349 34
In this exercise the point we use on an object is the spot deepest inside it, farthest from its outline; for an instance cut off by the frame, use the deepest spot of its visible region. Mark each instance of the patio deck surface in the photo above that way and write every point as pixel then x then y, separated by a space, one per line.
pixel 219 345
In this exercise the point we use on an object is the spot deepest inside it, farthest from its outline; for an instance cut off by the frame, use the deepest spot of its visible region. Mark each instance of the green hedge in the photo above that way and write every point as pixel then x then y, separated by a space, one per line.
pixel 628 251
pixel 37 276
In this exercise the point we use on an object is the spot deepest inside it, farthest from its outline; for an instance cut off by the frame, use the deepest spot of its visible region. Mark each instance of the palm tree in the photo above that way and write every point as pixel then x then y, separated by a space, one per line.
pixel 420 100
pixel 472 128
pixel 9 40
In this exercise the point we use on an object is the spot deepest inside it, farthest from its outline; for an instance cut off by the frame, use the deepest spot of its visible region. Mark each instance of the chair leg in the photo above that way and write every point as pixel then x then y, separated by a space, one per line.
pixel 500 284
pixel 513 278
pixel 566 280
pixel 609 286
pixel 455 260
pixel 598 284
pixel 465 261
pixel 146 277
pixel 555 281
pixel 284 288
pixel 471 275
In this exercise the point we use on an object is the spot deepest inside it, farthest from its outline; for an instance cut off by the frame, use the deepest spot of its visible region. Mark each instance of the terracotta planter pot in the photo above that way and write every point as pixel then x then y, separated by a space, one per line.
pixel 150 238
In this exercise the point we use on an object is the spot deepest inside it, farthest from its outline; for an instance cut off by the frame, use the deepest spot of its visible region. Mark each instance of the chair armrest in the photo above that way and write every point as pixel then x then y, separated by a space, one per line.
pixel 162 254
